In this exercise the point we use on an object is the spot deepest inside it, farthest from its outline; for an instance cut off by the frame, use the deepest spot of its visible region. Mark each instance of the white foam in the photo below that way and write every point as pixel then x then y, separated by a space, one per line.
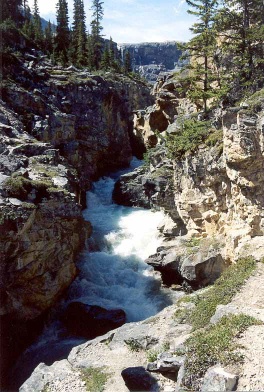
pixel 115 275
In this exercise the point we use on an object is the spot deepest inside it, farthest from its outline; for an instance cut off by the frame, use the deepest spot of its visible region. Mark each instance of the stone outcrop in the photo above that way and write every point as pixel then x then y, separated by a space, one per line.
pixel 217 379
pixel 124 348
pixel 138 379
pixel 166 363
pixel 88 118
pixel 192 265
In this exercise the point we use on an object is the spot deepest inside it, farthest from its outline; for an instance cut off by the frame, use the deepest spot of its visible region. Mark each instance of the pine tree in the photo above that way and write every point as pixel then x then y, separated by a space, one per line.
pixel 48 39
pixel 79 38
pixel 62 32
pixel 89 50
pixel 105 62
pixel 112 55
pixel 96 36
pixel 201 50
pixel 11 9
pixel 28 27
pixel 37 29
pixel 241 24
pixel 127 63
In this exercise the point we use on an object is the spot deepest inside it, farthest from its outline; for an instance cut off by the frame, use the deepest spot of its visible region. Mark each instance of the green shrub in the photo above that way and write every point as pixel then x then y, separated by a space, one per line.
pixel 212 345
pixel 189 137
pixel 46 388
pixel 17 186
pixel 133 345
pixel 152 355
pixel 94 378
pixel 222 291
pixel 214 138
pixel 183 315
pixel 193 242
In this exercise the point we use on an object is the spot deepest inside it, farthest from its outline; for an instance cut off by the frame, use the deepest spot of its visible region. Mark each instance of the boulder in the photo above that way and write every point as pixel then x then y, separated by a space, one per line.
pixel 167 262
pixel 200 270
pixel 166 363
pixel 138 379
pixel 196 267
pixel 217 379
pixel 90 321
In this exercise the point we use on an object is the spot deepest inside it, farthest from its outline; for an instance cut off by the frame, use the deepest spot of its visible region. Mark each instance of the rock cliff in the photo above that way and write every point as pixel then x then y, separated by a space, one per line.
pixel 153 59
pixel 215 192
pixel 60 130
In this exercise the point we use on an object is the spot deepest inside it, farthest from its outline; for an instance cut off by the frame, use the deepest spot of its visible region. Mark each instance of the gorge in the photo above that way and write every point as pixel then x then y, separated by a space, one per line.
pixel 64 132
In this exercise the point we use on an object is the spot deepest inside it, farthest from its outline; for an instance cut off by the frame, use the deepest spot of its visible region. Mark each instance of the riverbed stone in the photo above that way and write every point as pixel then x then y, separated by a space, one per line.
pixel 90 321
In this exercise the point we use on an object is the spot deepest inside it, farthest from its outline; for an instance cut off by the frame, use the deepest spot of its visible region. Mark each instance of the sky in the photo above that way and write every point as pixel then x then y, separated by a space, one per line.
pixel 135 21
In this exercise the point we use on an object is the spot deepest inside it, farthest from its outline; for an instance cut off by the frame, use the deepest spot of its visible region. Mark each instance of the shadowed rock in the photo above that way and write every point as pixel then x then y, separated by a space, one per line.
pixel 138 379
pixel 90 321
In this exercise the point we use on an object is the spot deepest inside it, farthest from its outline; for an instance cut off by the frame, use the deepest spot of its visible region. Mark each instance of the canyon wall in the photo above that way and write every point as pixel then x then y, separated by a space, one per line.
pixel 215 191
pixel 60 130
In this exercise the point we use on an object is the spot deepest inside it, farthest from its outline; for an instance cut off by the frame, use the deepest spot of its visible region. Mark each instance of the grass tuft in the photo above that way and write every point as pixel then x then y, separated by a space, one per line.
pixel 212 345
pixel 222 292
pixel 94 378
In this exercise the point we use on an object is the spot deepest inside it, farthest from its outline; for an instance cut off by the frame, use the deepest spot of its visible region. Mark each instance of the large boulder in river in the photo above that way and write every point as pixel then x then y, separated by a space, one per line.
pixel 198 265
pixel 90 321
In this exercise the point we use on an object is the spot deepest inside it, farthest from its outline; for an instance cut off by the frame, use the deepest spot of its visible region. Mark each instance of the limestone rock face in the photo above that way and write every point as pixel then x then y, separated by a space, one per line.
pixel 41 233
pixel 215 191
pixel 41 225
pixel 88 118
pixel 223 194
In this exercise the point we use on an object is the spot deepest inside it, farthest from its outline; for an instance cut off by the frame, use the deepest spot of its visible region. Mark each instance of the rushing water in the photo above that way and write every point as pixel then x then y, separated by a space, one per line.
pixel 112 270
pixel 114 275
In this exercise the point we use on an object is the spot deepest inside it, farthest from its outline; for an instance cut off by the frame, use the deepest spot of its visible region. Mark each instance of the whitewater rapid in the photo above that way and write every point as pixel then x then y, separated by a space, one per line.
pixel 112 273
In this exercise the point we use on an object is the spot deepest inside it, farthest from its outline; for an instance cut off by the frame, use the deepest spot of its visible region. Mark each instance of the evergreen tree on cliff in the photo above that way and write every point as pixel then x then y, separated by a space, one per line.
pixel 96 30
pixel 62 38
pixel 202 49
pixel 48 39
pixel 38 34
pixel 79 39
pixel 28 26
pixel 241 24
pixel 127 63
pixel 12 9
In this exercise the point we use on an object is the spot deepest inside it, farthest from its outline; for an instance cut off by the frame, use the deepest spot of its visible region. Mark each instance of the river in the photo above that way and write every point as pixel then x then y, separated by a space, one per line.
pixel 112 271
